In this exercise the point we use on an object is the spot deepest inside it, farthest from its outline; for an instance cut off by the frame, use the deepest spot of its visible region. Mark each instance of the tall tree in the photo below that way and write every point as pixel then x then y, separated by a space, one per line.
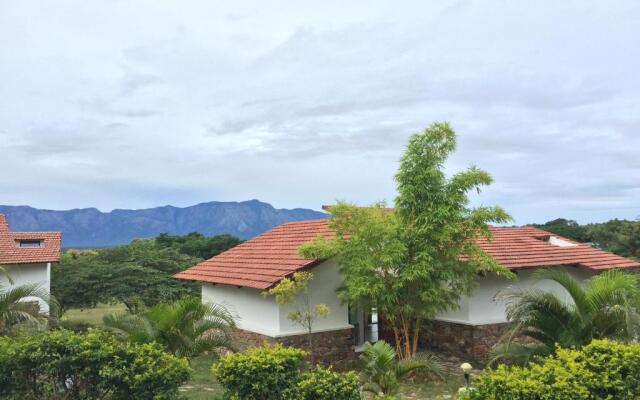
pixel 419 258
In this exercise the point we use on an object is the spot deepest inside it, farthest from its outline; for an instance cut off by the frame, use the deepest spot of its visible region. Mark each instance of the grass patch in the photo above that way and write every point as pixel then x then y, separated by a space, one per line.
pixel 432 389
pixel 92 316
pixel 202 384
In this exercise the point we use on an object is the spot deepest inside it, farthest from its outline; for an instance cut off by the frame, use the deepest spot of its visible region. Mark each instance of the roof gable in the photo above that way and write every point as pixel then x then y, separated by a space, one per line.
pixel 12 253
pixel 264 260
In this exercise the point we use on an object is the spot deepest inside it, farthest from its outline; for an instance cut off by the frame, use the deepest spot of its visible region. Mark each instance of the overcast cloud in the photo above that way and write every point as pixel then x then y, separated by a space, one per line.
pixel 132 104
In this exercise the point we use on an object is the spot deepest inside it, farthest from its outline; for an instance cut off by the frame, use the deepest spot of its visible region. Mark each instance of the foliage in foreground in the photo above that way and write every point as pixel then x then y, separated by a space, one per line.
pixel 602 370
pixel 185 328
pixel 384 374
pixel 274 372
pixel 421 257
pixel 607 307
pixel 66 365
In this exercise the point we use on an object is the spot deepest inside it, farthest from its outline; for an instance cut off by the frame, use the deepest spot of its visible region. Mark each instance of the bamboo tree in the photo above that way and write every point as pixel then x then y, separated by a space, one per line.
pixel 420 257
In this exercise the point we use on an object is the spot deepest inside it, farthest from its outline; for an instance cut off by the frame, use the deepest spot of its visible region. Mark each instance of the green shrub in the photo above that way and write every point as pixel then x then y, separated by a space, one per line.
pixel 268 372
pixel 273 373
pixel 324 384
pixel 62 364
pixel 604 369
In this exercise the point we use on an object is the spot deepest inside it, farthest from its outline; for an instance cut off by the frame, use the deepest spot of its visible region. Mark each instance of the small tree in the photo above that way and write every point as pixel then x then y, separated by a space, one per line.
pixel 22 304
pixel 419 258
pixel 606 307
pixel 185 328
pixel 383 373
pixel 295 292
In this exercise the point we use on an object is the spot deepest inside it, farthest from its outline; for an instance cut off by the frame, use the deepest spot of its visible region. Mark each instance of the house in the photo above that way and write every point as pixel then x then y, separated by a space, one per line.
pixel 27 257
pixel 237 278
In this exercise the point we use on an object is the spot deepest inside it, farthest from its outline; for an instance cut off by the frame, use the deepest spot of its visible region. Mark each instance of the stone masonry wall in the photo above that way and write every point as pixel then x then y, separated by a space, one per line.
pixel 472 342
pixel 330 347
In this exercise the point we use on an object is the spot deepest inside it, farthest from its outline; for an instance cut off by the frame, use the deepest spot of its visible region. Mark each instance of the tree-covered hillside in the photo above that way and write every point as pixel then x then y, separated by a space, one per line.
pixel 617 236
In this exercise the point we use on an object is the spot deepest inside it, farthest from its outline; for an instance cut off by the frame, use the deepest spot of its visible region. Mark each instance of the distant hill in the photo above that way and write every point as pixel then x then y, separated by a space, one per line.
pixel 89 227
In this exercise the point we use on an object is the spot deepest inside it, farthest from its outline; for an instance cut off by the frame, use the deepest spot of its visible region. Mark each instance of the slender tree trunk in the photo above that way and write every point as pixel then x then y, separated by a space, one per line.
pixel 396 336
pixel 310 343
pixel 406 342
pixel 416 336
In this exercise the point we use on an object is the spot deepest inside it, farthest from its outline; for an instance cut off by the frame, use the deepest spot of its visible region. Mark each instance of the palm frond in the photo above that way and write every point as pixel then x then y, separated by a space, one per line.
pixel 572 286
pixel 4 271
pixel 607 307
pixel 137 328
pixel 21 304
pixel 424 362
pixel 517 353
pixel 185 327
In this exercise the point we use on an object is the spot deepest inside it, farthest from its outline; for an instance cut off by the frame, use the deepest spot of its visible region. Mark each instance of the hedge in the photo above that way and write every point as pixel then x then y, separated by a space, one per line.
pixel 274 372
pixel 325 384
pixel 61 364
pixel 604 369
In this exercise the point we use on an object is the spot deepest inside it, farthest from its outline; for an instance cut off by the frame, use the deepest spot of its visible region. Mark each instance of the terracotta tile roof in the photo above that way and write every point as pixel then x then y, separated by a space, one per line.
pixel 527 247
pixel 12 253
pixel 264 260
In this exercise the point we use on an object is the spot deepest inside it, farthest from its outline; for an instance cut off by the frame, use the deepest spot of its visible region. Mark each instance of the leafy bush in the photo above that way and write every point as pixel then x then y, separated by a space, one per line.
pixel 604 369
pixel 324 384
pixel 273 372
pixel 268 372
pixel 67 365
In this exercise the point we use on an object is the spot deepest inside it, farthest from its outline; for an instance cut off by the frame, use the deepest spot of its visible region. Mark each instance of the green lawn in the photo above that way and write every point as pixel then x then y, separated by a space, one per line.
pixel 203 386
pixel 92 316
pixel 433 389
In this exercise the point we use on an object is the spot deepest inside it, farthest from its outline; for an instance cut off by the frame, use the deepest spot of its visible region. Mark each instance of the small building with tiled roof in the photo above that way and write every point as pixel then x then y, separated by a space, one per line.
pixel 27 257
pixel 238 277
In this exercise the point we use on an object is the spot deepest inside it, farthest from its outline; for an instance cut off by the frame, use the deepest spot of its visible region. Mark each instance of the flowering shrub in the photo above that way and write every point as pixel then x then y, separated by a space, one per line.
pixel 604 369
pixel 62 364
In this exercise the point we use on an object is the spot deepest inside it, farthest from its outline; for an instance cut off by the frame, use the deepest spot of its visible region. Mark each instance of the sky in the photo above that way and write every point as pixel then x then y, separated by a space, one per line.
pixel 135 104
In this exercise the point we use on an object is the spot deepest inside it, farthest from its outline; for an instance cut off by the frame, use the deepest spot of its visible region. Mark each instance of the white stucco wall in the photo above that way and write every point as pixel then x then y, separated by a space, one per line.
pixel 23 274
pixel 322 289
pixel 254 312
pixel 483 308
pixel 263 315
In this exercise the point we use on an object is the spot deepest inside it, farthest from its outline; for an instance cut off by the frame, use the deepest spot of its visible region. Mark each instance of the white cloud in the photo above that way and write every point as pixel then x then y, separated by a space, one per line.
pixel 133 104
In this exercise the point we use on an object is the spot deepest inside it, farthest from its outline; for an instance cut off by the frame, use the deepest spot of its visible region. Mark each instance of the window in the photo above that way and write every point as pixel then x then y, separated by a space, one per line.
pixel 29 243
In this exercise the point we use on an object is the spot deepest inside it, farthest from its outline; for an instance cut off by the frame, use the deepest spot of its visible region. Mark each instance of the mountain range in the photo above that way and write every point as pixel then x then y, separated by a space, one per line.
pixel 89 227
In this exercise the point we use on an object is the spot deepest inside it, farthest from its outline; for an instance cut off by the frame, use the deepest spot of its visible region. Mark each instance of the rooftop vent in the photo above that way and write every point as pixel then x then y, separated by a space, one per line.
pixel 556 241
